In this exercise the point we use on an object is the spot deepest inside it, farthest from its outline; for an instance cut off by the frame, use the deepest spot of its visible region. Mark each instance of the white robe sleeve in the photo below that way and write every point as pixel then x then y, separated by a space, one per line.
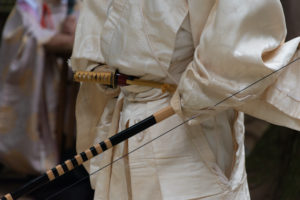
pixel 242 42
pixel 86 51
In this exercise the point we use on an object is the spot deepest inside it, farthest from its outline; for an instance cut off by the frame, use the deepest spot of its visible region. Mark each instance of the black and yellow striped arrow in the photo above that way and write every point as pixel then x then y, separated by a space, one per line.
pixel 93 151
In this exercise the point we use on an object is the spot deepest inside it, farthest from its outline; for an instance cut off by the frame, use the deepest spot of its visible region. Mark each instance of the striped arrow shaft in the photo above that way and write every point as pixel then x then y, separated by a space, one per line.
pixel 93 151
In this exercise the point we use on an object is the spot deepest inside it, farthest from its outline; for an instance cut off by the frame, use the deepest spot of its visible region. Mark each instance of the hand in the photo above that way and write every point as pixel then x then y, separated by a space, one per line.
pixel 60 43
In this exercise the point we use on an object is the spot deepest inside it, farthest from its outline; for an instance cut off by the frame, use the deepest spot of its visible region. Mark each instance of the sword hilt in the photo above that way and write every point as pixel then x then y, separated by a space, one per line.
pixel 104 78
pixel 114 79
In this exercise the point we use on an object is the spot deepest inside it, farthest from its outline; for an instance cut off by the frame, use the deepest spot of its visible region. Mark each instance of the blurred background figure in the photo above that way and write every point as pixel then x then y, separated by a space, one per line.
pixel 29 81
pixel 35 99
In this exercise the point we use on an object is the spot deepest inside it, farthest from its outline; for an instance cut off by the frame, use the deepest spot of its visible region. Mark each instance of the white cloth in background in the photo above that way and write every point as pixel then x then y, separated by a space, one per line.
pixel 28 89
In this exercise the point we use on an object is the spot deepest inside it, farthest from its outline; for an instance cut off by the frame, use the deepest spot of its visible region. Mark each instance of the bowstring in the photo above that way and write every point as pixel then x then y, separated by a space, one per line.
pixel 168 131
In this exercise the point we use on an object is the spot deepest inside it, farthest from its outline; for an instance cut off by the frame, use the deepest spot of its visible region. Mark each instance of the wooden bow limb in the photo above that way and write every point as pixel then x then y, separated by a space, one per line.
pixel 93 151
pixel 114 79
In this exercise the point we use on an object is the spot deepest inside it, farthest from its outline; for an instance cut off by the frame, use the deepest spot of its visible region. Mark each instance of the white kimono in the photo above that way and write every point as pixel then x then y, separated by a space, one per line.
pixel 211 49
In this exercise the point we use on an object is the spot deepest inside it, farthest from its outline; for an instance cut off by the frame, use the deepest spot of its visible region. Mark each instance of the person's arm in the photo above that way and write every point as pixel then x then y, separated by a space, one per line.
pixel 241 42
pixel 62 42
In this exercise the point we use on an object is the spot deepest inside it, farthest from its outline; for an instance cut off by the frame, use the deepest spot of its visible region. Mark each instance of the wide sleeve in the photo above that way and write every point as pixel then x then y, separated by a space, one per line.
pixel 240 44
pixel 92 100
pixel 86 51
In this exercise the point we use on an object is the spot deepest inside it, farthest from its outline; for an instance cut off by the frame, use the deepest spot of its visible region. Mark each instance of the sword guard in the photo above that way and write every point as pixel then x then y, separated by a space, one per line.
pixel 121 79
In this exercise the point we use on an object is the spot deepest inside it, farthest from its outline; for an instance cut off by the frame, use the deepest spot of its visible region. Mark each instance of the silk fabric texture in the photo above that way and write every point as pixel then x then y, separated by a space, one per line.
pixel 211 49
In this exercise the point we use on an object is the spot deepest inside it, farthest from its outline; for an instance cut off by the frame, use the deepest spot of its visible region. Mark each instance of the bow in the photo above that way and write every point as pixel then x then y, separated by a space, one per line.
pixel 99 148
